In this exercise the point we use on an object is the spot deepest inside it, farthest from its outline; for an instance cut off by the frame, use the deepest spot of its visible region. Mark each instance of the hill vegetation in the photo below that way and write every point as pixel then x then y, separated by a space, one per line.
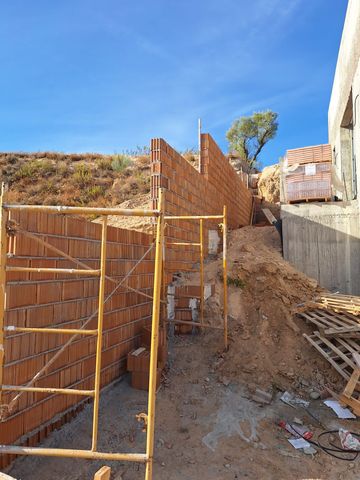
pixel 50 178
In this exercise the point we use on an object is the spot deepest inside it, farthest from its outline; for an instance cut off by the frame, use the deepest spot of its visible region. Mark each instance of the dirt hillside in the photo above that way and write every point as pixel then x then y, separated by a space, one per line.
pixel 266 343
pixel 51 178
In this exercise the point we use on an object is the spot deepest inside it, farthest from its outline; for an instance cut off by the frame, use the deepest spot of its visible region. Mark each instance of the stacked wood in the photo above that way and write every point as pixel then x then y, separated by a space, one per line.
pixel 339 303
pixel 337 332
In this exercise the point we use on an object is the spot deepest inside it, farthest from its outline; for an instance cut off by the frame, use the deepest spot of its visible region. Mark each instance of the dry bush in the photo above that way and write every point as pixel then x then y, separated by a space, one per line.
pixel 191 156
pixel 82 175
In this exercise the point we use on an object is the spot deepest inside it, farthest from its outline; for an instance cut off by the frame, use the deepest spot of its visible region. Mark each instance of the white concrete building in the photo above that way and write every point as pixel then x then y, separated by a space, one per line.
pixel 322 239
pixel 344 108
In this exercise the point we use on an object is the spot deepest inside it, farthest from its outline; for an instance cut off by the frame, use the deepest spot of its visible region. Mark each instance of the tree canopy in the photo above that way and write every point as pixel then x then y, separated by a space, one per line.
pixel 248 135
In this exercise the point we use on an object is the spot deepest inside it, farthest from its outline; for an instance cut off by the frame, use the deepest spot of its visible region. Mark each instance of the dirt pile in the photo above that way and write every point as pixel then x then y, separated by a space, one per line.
pixel 142 224
pixel 266 343
pixel 269 183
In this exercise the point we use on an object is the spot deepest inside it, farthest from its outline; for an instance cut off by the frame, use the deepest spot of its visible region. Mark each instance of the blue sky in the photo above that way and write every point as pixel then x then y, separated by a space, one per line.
pixel 108 75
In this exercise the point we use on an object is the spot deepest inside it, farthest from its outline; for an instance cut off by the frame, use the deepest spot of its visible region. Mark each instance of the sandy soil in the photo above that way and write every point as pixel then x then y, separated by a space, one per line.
pixel 208 425
pixel 204 429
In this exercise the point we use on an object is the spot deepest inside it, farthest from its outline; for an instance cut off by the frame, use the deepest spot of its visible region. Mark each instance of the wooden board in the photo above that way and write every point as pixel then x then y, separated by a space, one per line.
pixel 270 217
pixel 338 352
pixel 339 303
pixel 332 323
pixel 103 474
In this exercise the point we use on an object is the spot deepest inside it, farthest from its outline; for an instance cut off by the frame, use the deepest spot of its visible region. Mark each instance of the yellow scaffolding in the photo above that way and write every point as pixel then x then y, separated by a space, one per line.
pixel 200 244
pixel 93 453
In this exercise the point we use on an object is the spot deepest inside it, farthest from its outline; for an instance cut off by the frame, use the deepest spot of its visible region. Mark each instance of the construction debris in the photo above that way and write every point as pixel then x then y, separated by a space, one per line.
pixel 262 397
pixel 293 401
pixel 340 411
pixel 337 339
pixel 337 303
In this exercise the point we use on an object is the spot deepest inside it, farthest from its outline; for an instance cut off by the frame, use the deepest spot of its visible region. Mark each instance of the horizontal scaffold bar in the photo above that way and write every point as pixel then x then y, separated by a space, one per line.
pixel 69 331
pixel 63 391
pixel 70 271
pixel 126 212
pixel 195 324
pixel 64 452
pixel 194 217
pixel 184 243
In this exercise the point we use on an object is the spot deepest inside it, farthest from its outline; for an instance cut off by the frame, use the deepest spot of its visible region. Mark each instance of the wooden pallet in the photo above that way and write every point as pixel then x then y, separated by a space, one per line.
pixel 332 323
pixel 308 200
pixel 339 303
pixel 338 352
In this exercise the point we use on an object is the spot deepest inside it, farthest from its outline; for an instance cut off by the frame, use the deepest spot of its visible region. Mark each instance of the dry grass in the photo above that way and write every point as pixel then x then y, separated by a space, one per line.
pixel 46 178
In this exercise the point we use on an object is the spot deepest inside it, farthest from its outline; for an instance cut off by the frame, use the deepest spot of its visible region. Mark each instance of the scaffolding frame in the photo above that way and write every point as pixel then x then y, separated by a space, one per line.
pixel 149 419
pixel 200 244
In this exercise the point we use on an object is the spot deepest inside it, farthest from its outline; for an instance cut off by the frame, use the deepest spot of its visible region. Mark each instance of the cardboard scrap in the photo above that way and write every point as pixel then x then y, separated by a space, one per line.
pixel 340 411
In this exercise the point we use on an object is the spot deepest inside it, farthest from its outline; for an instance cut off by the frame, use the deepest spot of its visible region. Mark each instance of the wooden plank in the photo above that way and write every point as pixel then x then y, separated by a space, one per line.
pixel 338 318
pixel 332 323
pixel 352 403
pixel 270 217
pixel 357 359
pixel 336 349
pixel 342 372
pixel 342 330
pixel 103 474
pixel 350 386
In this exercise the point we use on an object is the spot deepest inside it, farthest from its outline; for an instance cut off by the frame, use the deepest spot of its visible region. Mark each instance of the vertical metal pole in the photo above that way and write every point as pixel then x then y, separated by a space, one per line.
pixel 225 278
pixel 154 339
pixel 202 299
pixel 99 334
pixel 199 142
pixel 3 246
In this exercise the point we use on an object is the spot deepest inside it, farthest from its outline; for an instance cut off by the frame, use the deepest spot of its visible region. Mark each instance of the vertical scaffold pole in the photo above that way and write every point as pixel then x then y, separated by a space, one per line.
pixel 3 246
pixel 154 338
pixel 225 278
pixel 202 299
pixel 99 334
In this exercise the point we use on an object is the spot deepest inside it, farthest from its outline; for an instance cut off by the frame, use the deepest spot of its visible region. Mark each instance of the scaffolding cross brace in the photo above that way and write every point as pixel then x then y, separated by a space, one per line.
pixel 200 244
pixel 93 453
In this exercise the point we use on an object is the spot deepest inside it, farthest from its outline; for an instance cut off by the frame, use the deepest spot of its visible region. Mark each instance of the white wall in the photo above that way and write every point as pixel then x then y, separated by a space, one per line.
pixel 346 80
pixel 347 63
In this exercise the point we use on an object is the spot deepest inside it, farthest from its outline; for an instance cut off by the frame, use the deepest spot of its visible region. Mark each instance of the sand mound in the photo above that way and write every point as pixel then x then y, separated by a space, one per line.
pixel 269 183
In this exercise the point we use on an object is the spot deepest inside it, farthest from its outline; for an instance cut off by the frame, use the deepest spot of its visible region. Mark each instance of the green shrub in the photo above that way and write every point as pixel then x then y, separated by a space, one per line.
pixel 236 282
pixel 104 163
pixel 120 162
pixel 82 175
pixel 34 168
pixel 92 193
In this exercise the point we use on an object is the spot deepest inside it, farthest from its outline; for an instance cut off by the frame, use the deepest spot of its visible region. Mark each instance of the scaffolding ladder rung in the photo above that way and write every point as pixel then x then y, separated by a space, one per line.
pixel 63 391
pixel 126 212
pixel 194 217
pixel 66 331
pixel 63 452
pixel 70 271
pixel 184 243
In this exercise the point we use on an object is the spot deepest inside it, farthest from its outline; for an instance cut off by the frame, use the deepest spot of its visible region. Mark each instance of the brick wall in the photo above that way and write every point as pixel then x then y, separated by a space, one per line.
pixel 190 192
pixel 40 300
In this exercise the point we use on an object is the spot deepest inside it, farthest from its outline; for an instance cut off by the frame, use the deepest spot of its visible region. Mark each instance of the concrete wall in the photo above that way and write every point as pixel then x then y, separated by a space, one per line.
pixel 344 103
pixel 323 241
